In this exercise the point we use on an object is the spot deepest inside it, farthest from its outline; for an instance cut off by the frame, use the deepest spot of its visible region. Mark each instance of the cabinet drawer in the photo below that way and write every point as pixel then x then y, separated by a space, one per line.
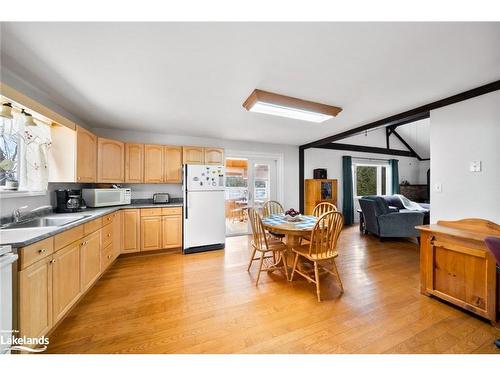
pixel 108 219
pixel 107 257
pixel 33 253
pixel 92 226
pixel 151 211
pixel 171 211
pixel 107 235
pixel 67 237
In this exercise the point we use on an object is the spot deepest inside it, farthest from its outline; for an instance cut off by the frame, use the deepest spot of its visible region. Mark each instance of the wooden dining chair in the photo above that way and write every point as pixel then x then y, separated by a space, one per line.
pixel 273 208
pixel 320 209
pixel 322 249
pixel 264 244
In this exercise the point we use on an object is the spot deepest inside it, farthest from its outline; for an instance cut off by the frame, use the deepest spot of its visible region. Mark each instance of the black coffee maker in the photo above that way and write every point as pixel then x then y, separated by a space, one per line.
pixel 69 200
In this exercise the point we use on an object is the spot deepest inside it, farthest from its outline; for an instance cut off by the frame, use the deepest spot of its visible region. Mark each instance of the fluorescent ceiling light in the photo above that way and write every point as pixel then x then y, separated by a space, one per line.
pixel 298 114
pixel 286 106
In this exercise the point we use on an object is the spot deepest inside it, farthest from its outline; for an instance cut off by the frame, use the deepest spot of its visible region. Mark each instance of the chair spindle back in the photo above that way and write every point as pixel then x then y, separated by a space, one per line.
pixel 325 235
pixel 323 208
pixel 272 208
pixel 258 232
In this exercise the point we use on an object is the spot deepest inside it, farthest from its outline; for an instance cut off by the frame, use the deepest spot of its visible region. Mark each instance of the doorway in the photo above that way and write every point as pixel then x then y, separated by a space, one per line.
pixel 249 183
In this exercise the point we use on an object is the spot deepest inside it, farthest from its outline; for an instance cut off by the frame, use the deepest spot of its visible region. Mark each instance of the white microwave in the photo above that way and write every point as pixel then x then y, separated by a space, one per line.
pixel 106 197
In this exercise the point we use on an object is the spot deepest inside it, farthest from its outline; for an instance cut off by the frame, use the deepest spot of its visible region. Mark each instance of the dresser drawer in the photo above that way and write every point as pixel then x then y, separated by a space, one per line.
pixel 67 237
pixel 92 226
pixel 34 252
pixel 151 211
pixel 107 235
pixel 167 211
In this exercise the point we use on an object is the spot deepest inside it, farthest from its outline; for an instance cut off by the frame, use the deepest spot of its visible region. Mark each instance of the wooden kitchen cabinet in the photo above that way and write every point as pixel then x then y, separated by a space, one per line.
pixel 151 227
pixel 172 164
pixel 456 266
pixel 317 191
pixel 117 233
pixel 90 251
pixel 86 155
pixel 131 228
pixel 35 299
pixel 193 155
pixel 171 231
pixel 134 163
pixel 153 164
pixel 110 160
pixel 213 156
pixel 66 279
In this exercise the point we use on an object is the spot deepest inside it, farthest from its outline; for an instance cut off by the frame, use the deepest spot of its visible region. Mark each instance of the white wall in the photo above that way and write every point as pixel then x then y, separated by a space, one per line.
pixel 290 156
pixel 461 133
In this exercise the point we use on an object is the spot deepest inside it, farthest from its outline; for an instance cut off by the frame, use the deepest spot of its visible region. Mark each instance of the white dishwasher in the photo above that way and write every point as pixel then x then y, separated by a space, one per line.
pixel 8 281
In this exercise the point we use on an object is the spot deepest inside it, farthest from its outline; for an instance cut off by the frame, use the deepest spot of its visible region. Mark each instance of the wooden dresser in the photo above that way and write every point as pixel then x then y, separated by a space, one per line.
pixel 456 266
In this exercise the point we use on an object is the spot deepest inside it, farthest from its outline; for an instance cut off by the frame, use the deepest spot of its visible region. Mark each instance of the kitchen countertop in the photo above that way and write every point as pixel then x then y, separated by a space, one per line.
pixel 20 237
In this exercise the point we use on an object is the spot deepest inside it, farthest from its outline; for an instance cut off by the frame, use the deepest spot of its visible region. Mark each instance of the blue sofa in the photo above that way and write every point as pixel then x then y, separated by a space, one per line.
pixel 388 221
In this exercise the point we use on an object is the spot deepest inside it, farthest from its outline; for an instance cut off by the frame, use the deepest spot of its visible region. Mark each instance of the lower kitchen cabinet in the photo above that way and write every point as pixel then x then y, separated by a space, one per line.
pixel 131 227
pixel 66 279
pixel 117 233
pixel 151 233
pixel 90 252
pixel 171 231
pixel 35 299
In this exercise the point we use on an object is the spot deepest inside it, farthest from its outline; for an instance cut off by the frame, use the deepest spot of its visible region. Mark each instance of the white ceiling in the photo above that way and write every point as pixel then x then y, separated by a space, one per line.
pixel 191 78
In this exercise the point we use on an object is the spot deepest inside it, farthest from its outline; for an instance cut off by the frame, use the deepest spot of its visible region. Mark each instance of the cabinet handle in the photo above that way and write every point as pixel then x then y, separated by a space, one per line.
pixel 109 256
pixel 41 251
pixel 109 235
pixel 52 261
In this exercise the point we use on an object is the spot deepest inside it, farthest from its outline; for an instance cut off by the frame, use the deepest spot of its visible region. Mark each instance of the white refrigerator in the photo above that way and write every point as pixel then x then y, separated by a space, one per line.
pixel 204 212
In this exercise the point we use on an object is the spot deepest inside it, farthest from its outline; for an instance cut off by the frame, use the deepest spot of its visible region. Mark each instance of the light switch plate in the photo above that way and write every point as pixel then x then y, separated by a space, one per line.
pixel 438 188
pixel 475 166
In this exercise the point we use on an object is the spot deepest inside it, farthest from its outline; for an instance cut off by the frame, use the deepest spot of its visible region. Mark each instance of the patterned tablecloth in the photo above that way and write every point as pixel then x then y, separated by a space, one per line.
pixel 307 222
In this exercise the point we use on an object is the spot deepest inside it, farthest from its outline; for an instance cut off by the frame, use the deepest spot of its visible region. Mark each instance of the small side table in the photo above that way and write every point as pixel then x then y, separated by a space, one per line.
pixel 362 225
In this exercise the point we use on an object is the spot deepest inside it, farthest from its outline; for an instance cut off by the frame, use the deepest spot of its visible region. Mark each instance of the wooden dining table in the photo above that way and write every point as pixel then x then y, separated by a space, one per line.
pixel 293 231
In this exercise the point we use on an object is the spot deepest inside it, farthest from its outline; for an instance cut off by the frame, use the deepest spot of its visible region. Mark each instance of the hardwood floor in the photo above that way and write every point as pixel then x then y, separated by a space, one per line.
pixel 208 303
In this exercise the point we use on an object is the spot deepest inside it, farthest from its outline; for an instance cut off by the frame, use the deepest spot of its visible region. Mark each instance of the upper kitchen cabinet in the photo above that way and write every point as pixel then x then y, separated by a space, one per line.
pixel 73 155
pixel 86 155
pixel 134 162
pixel 110 160
pixel 193 155
pixel 153 164
pixel 214 156
pixel 172 157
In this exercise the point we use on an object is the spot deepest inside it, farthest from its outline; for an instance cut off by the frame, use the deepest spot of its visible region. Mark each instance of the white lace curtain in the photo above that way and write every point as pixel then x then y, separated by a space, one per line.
pixel 33 147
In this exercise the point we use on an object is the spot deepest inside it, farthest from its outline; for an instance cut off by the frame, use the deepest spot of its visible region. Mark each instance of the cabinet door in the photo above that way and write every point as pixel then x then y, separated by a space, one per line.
pixel 86 155
pixel 110 160
pixel 131 231
pixel 117 233
pixel 90 252
pixel 134 162
pixel 192 155
pixel 171 231
pixel 66 283
pixel 173 164
pixel 151 233
pixel 153 164
pixel 35 299
pixel 214 156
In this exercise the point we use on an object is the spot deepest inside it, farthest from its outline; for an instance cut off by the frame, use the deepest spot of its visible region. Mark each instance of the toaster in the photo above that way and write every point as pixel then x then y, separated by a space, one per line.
pixel 161 198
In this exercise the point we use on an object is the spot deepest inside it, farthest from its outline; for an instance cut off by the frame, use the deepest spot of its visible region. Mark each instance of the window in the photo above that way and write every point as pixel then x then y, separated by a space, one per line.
pixel 9 152
pixel 371 178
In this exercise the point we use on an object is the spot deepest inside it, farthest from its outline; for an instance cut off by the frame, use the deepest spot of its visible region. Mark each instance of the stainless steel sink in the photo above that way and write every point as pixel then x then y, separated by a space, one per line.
pixel 47 221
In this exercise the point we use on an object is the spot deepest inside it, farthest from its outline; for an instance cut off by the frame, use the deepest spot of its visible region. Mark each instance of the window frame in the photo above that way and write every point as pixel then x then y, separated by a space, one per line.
pixel 379 165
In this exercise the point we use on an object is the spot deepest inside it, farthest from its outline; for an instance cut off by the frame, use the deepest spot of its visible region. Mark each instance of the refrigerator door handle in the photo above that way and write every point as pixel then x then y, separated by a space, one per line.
pixel 186 191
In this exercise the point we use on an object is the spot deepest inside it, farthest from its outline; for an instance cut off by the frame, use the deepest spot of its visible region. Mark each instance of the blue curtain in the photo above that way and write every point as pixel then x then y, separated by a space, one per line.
pixel 395 175
pixel 347 201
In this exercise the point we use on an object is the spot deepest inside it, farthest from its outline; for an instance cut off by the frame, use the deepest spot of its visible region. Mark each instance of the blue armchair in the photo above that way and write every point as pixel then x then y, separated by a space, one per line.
pixel 385 221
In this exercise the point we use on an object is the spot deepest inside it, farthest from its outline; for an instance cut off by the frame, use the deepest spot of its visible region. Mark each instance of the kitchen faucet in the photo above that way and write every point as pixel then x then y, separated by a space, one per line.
pixel 16 214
